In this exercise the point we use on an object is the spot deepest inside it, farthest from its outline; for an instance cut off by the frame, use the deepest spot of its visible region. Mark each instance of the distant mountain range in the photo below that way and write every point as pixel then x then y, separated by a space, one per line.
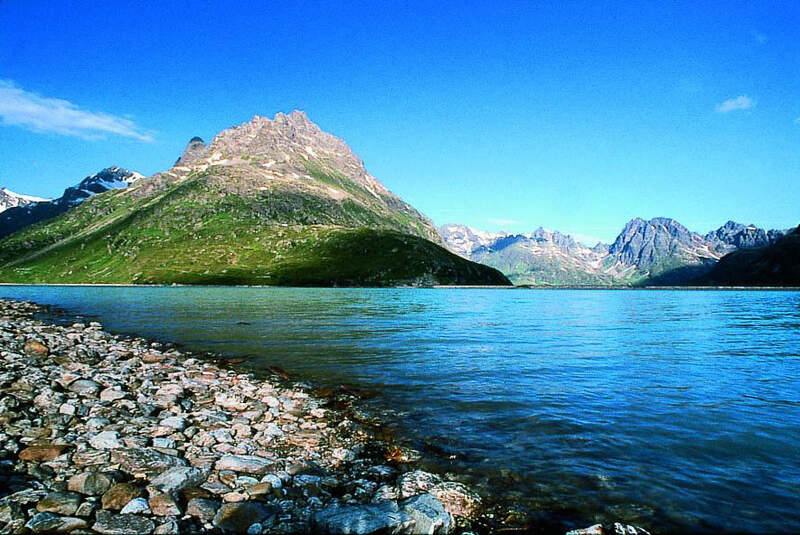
pixel 30 210
pixel 272 201
pixel 658 251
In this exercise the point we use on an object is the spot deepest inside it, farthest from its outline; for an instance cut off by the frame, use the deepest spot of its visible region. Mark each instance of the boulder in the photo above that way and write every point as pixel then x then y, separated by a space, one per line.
pixel 416 482
pixel 91 483
pixel 60 503
pixel 458 499
pixel 50 523
pixel 137 506
pixel 107 440
pixel 109 523
pixel 430 516
pixel 165 504
pixel 247 464
pixel 119 495
pixel 144 461
pixel 84 387
pixel 202 508
pixel 177 478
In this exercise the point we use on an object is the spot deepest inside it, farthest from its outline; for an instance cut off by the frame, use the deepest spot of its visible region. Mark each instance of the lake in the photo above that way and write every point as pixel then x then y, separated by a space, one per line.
pixel 665 409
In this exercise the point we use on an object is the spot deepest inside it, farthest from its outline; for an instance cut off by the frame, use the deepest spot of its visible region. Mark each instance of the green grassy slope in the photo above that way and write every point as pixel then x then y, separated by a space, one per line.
pixel 203 231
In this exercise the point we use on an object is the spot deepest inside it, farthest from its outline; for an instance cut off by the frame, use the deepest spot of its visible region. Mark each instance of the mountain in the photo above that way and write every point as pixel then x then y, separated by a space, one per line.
pixel 9 199
pixel 738 236
pixel 662 251
pixel 540 258
pixel 23 215
pixel 272 201
pixel 776 264
pixel 658 251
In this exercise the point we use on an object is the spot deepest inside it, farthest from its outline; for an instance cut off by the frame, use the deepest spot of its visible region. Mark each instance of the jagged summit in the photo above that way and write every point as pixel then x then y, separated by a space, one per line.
pixel 194 151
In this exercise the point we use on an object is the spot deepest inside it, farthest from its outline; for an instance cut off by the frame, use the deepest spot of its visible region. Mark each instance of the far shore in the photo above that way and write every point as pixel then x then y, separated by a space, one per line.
pixel 434 287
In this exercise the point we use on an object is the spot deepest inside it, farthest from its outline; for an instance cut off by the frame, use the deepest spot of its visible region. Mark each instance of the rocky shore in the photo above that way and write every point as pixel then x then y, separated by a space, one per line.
pixel 115 435
pixel 112 435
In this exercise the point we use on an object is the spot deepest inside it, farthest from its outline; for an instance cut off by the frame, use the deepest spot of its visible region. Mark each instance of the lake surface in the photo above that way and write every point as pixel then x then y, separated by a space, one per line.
pixel 667 409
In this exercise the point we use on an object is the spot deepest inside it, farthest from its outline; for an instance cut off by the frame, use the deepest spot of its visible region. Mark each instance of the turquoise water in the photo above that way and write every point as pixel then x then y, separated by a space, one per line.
pixel 668 409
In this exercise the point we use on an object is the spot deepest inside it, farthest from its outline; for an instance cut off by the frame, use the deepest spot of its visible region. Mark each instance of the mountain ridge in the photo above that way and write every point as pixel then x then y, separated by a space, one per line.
pixel 270 201
pixel 657 251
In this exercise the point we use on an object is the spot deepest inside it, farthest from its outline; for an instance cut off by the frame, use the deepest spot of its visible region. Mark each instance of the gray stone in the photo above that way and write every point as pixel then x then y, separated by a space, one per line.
pixel 109 523
pixel 416 482
pixel 50 523
pixel 174 422
pixel 137 506
pixel 247 464
pixel 60 503
pixel 107 440
pixel 84 387
pixel 430 516
pixel 177 478
pixel 144 461
pixel 202 508
pixel 363 519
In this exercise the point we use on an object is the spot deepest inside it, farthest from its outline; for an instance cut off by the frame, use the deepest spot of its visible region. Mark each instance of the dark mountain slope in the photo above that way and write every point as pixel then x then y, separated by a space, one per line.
pixel 773 265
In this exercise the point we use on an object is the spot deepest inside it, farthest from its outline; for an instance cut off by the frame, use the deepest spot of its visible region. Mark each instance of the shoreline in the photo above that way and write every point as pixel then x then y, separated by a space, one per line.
pixel 434 287
pixel 112 434
pixel 232 446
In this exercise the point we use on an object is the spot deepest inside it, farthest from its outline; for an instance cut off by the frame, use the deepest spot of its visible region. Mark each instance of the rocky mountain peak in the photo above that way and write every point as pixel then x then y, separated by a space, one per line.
pixel 644 243
pixel 733 235
pixel 9 199
pixel 195 150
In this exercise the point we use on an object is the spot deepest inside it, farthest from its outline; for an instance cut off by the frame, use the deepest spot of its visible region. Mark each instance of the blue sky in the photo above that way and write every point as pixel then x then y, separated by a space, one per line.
pixel 576 116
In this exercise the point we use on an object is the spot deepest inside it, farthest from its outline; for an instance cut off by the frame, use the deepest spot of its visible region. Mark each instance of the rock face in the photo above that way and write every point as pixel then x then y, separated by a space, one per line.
pixel 269 202
pixel 248 456
pixel 655 251
pixel 777 264
pixel 21 215
pixel 737 236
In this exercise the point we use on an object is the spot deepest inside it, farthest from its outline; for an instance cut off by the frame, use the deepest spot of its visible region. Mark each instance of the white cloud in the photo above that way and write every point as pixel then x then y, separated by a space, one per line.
pixel 742 102
pixel 42 114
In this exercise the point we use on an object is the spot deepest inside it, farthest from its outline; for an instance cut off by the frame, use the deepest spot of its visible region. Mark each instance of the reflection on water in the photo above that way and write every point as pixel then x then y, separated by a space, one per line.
pixel 663 408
